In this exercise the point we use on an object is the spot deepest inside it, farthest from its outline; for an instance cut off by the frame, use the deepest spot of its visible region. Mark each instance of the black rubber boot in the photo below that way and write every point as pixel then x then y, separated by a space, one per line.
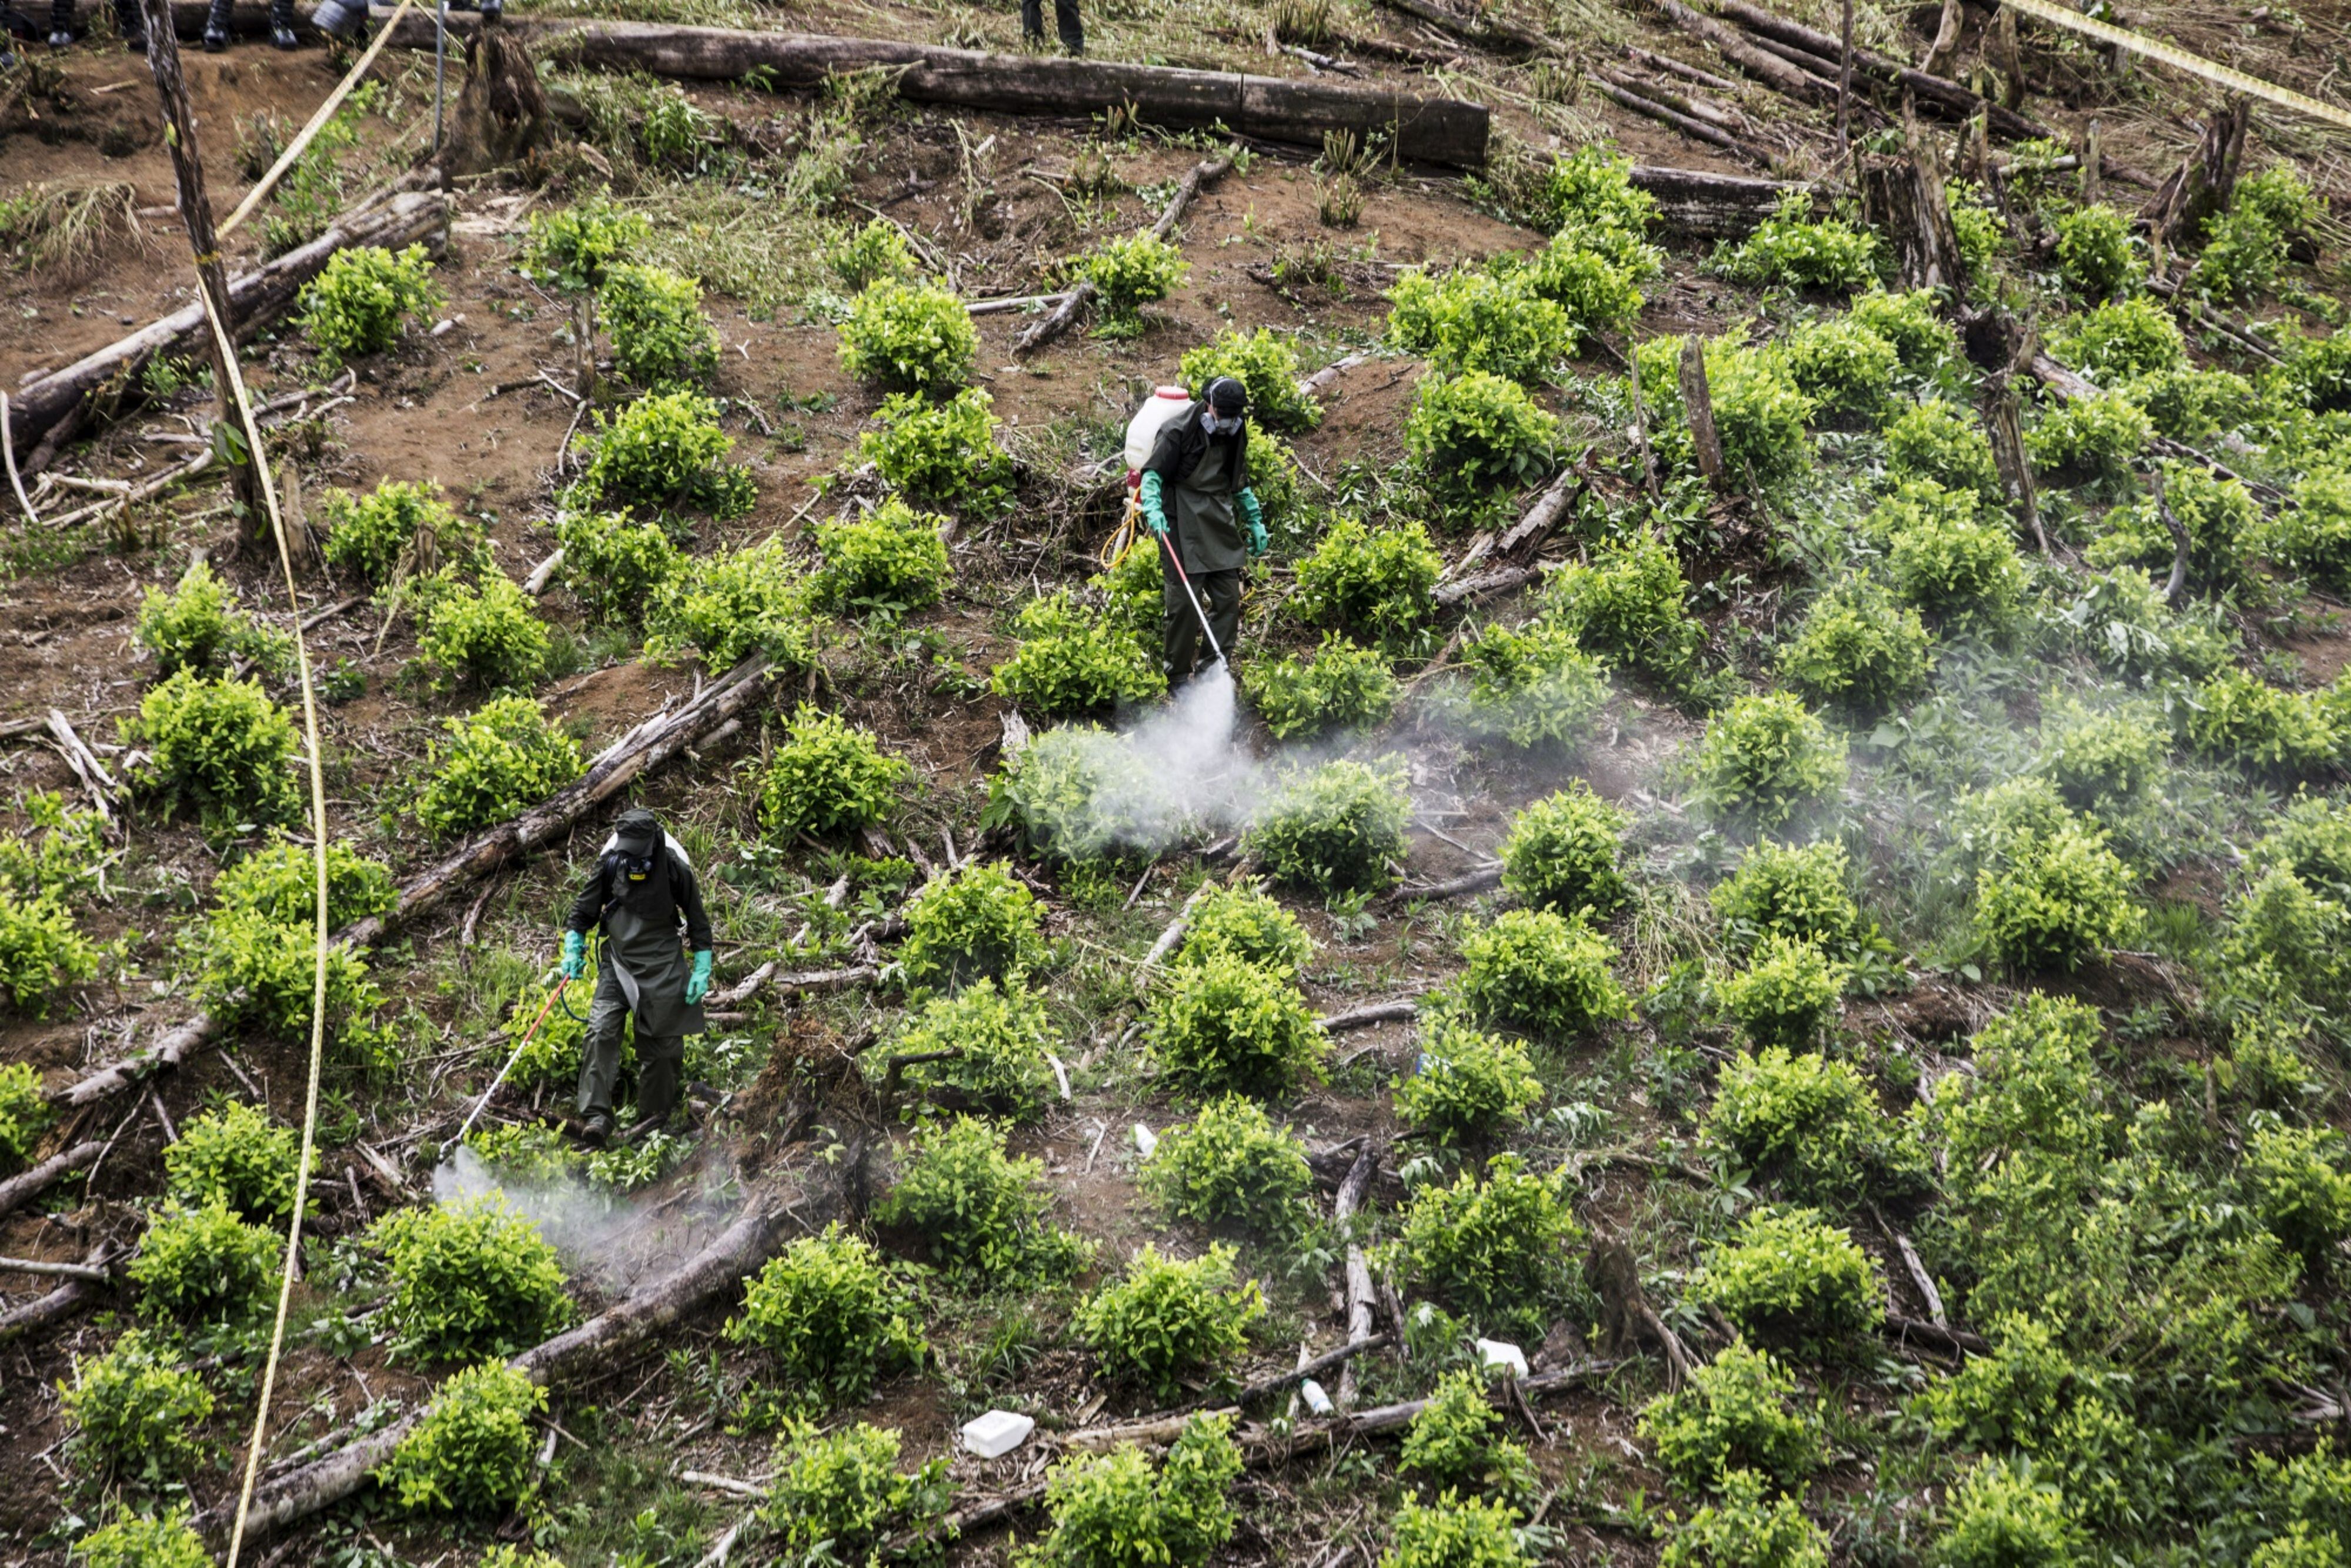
pixel 216 33
pixel 493 9
pixel 281 24
pixel 131 22
pixel 339 18
pixel 61 23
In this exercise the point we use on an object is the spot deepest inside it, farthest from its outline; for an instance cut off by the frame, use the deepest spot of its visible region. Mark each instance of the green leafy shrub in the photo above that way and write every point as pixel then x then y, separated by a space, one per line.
pixel 1265 364
pixel 135 1413
pixel 1840 364
pixel 1231 1165
pixel 2101 436
pixel 2001 1515
pixel 1812 1125
pixel 665 453
pixel 2219 516
pixel 1542 973
pixel 2313 535
pixel 1959 568
pixel 1593 275
pixel 1857 649
pixel 1741 1530
pixel 473 1451
pixel 573 248
pixel 752 599
pixel 1074 792
pixel 830 776
pixel 499 760
pixel 892 558
pixel 357 305
pixel 2095 257
pixel 1455 1446
pixel 486 635
pixel 60 852
pixel 2104 763
pixel 1223 1024
pixel 1792 250
pixel 659 336
pixel 1802 893
pixel 250 970
pixel 235 1157
pixel 2318 372
pixel 1532 686
pixel 1243 922
pixel 840 1496
pixel 41 952
pixel 614 565
pixel 469 1280
pixel 1375 585
pixel 1072 662
pixel 1468 1084
pixel 24 1114
pixel 979 925
pixel 221 748
pixel 829 1315
pixel 1912 322
pixel 1502 1251
pixel 1789 1277
pixel 203 1265
pixel 1128 274
pixel 1765 761
pixel 1562 853
pixel 2195 405
pixel 1936 441
pixel 1338 829
pixel 1001 1037
pixel 909 337
pixel 1109 1510
pixel 1164 1320
pixel 2239 717
pixel 2299 1179
pixel 977 1210
pixel 942 454
pixel 2059 899
pixel 197 626
pixel 1787 993
pixel 1760 413
pixel 1736 1413
pixel 1475 431
pixel 137 1540
pixel 400 528
pixel 1474 320
pixel 280 883
pixel 1589 192
pixel 2311 837
pixel 870 255
pixel 1339 686
pixel 2120 339
pixel 1453 1532
pixel 1626 605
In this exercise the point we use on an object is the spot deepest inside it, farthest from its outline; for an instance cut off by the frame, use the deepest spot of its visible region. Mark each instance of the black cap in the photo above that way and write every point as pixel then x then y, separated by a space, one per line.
pixel 638 826
pixel 1228 396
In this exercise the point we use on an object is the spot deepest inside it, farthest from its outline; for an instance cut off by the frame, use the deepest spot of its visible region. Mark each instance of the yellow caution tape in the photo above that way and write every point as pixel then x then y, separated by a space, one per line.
pixel 2194 65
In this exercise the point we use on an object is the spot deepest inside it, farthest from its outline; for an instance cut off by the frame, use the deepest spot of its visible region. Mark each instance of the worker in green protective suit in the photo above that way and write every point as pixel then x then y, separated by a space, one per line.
pixel 643 888
pixel 1196 501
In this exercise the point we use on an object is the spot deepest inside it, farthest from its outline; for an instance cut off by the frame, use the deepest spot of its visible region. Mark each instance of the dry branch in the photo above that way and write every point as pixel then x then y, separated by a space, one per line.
pixel 1763 66
pixel 30 1184
pixel 1364 1018
pixel 1458 887
pixel 1940 92
pixel 1065 315
pixel 67 1299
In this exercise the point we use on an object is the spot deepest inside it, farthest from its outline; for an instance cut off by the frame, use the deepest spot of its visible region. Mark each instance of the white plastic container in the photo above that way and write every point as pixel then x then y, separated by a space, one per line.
pixel 1142 431
pixel 1316 1400
pixel 1498 1355
pixel 1145 1141
pixel 998 1433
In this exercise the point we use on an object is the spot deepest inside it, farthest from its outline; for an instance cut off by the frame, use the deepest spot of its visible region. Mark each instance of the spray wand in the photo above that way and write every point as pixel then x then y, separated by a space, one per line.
pixel 545 1009
pixel 1178 562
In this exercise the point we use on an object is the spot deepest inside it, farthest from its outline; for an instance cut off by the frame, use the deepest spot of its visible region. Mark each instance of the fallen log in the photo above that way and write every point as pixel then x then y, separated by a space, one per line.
pixel 1357 1264
pixel 1486 29
pixel 1501 579
pixel 1458 887
pixel 1626 97
pixel 1442 131
pixel 1711 207
pixel 257 298
pixel 1763 66
pixel 19 1189
pixel 1065 315
pixel 1366 1017
pixel 88 1280
pixel 1941 92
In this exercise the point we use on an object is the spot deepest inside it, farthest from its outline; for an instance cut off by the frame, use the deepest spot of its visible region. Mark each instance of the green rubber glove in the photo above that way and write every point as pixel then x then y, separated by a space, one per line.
pixel 1254 511
pixel 1155 510
pixel 697 985
pixel 575 955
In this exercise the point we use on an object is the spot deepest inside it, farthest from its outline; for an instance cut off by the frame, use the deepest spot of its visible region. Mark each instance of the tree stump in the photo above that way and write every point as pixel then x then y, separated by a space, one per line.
pixel 501 110
pixel 2203 184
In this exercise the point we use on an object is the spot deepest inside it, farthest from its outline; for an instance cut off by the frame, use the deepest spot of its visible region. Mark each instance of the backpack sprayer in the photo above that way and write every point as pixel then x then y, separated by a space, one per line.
pixel 1161 409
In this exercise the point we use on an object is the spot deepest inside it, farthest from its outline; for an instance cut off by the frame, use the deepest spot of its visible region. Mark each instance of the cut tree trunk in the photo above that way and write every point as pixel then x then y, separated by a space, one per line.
pixel 1442 131
pixel 2203 184
pixel 1902 194
pixel 1486 30
pixel 1358 1269
pixel 1707 205
pixel 1764 66
pixel 1064 316
pixel 501 112
pixel 2006 433
pixel 1937 92
pixel 1697 408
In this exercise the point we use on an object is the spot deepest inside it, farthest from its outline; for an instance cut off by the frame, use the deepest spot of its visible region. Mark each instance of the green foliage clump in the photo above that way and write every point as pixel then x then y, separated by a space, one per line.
pixel 1000 1037
pixel 473 1451
pixel 2120 339
pixel 1164 1320
pixel 2195 405
pixel 980 924
pixel 280 883
pixel 2002 1515
pixel 1453 1532
pixel 2299 1179
pixel 1266 365
pixel 219 746
pixel 977 1210
pixel 1223 1024
pixel 1475 321
pixel 1562 853
pixel 2059 899
pixel 892 558
pixel 1468 1084
pixel 1455 1446
pixel 357 305
pixel 1765 761
pixel 665 452
pixel 1589 193
pixel 135 1413
pixel 573 248
pixel 1912 322
pixel 2318 372
pixel 197 626
pixel 1593 274
pixel 252 970
pixel 752 599
pixel 1061 789
pixel 1791 250
pixel 1841 365
pixel 1741 1529
pixel 614 565
pixel 484 635
pixel 1760 413
pixel 469 1280
pixel 2238 717
pixel 909 337
pixel 868 256
pixel 1738 1414
pixel 2313 535
pixel 1231 1165
pixel 61 854
pixel 1502 1251
pixel 1812 1125
pixel 400 528
pixel 1802 893
pixel 1339 686
pixel 499 760
pixel 830 1315
pixel 1787 993
pixel 2218 514
pixel 2246 244
pixel 1936 441
pixel 1072 662
pixel 1959 568
pixel 2101 436
pixel 2104 763
pixel 838 1497
pixel 2095 257
pixel 1372 584
pixel 1476 430
pixel 139 1541
pixel 1533 685
pixel 1244 921
pixel 203 1265
pixel 1857 649
pixel 2311 837
pixel 1128 274
pixel 659 336
pixel 1542 973
pixel 1110 1510
pixel 41 951
pixel 1626 605
pixel 235 1157
pixel 1789 1277
pixel 23 1112
pixel 1338 829
pixel 941 453
pixel 830 776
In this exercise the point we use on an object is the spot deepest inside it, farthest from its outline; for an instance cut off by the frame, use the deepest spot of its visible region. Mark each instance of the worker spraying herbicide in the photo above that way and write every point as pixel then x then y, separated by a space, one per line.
pixel 642 889
pixel 1195 500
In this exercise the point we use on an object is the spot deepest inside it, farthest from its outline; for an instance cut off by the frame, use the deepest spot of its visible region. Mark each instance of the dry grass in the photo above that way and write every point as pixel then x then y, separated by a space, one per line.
pixel 64 230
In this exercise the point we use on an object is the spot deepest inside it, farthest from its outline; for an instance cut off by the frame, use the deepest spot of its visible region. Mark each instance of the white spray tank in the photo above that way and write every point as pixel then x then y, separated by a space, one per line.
pixel 1160 409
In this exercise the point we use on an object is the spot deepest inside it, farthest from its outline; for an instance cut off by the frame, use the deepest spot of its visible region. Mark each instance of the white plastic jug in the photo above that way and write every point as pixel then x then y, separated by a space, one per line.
pixel 1157 412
